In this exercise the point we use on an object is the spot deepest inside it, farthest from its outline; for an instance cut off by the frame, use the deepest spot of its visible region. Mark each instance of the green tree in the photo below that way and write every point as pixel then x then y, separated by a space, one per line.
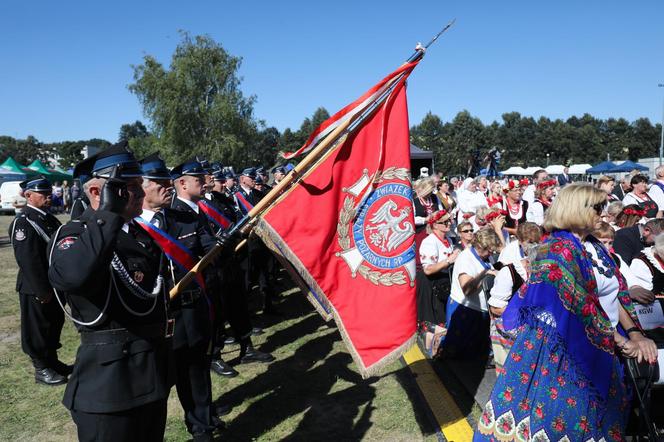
pixel 68 153
pixel 291 141
pixel 25 151
pixel 133 130
pixel 195 106
pixel 464 136
pixel 429 134
pixel 266 147
pixel 644 139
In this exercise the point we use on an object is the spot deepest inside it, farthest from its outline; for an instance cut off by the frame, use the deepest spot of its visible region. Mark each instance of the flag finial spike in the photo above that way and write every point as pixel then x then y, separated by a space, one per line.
pixel 420 50
pixel 449 25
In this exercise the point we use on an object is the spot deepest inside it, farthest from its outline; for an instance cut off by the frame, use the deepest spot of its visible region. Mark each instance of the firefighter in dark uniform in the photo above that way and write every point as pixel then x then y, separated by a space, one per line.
pixel 80 203
pixel 41 316
pixel 257 264
pixel 194 307
pixel 230 185
pixel 108 270
pixel 234 296
pixel 262 173
pixel 278 173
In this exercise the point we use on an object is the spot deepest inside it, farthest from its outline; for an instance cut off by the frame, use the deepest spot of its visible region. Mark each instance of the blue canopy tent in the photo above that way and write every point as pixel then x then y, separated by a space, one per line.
pixel 603 167
pixel 628 166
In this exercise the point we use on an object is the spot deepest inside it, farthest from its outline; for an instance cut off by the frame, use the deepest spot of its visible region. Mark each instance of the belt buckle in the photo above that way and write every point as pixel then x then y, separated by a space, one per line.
pixel 170 327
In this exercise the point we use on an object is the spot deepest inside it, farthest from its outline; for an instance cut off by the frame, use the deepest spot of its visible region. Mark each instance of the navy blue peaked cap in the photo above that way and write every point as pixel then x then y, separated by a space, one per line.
pixel 41 184
pixel 190 167
pixel 250 172
pixel 101 164
pixel 154 168
pixel 219 175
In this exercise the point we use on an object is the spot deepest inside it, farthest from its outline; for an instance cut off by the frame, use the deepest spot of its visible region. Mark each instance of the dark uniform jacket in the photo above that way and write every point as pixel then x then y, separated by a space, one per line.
pixel 124 360
pixel 78 207
pixel 231 275
pixel 253 197
pixel 29 234
pixel 225 204
pixel 191 309
pixel 628 243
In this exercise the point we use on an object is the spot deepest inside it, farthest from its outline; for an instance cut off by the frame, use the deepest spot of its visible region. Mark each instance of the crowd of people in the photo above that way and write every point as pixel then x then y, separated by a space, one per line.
pixel 136 228
pixel 555 283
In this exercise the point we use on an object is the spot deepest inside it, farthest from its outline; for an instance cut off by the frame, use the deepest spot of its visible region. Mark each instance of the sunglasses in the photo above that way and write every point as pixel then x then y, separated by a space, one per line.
pixel 466 231
pixel 444 223
pixel 599 208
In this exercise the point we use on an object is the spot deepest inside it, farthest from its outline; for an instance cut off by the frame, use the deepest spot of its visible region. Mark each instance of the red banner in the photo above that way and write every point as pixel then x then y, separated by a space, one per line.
pixel 348 229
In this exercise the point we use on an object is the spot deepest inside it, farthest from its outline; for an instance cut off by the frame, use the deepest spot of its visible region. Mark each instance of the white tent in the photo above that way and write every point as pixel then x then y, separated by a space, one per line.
pixel 514 170
pixel 554 169
pixel 531 170
pixel 579 169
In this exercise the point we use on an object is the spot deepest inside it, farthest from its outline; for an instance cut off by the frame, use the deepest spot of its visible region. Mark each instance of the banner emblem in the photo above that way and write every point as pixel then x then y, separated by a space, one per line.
pixel 378 244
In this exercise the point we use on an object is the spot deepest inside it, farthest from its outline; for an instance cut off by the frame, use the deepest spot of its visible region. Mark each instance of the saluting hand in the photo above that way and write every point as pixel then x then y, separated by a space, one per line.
pixel 114 194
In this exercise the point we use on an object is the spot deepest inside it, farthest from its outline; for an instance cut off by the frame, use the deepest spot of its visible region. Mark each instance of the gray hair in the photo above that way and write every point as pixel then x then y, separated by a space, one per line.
pixel 97 181
pixel 531 251
pixel 614 208
pixel 655 225
pixel 658 247
pixel 659 171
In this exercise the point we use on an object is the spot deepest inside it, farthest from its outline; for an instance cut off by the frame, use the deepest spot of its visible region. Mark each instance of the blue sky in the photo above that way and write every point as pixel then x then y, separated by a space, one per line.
pixel 65 65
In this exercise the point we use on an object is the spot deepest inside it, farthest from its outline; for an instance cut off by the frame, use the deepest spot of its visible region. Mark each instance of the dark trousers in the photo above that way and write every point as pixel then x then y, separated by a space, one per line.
pixel 259 271
pixel 194 387
pixel 235 308
pixel 41 325
pixel 144 423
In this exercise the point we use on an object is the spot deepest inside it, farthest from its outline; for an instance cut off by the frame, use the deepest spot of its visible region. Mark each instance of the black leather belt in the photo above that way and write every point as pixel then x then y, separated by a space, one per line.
pixel 185 298
pixel 122 335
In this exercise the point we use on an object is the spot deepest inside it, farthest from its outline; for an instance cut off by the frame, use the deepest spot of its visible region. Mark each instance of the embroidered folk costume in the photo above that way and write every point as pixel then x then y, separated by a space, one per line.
pixel 563 379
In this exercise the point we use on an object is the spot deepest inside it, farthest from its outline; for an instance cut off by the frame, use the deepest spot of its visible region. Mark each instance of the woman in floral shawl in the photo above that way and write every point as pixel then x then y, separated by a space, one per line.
pixel 563 379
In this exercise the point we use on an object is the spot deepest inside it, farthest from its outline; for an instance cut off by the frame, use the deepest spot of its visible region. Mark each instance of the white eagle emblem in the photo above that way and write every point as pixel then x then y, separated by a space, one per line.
pixel 19 235
pixel 376 233
pixel 388 231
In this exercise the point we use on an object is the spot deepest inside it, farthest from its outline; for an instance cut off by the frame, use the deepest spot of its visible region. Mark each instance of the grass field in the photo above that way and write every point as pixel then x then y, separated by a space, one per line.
pixel 311 392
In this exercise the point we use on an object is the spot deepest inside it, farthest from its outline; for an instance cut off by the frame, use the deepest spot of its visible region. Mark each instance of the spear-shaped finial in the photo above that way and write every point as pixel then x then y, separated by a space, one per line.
pixel 419 49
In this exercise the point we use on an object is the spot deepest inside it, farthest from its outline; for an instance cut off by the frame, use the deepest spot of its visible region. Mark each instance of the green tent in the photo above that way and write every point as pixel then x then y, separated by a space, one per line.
pixel 52 174
pixel 11 164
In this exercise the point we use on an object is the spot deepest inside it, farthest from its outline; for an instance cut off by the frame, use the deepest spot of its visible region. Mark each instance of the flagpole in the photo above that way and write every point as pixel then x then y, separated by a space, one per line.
pixel 329 141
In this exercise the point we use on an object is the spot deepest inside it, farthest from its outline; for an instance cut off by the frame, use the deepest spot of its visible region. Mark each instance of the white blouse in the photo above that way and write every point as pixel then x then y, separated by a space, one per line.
pixel 433 250
pixel 502 290
pixel 535 213
pixel 607 288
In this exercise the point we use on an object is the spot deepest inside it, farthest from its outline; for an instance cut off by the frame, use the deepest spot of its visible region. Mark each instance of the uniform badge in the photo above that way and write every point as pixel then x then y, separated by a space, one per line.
pixel 65 243
pixel 19 235
pixel 138 276
pixel 378 242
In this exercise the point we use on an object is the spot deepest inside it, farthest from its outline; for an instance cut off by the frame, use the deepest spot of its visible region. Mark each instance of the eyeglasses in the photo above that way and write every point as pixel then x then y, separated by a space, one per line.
pixel 599 208
pixel 466 231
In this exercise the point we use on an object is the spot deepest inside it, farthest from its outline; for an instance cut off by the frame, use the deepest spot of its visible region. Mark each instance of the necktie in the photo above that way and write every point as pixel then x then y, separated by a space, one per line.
pixel 159 220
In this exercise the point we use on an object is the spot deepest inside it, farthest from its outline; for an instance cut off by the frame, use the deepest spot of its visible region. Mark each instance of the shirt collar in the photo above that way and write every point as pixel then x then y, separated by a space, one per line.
pixel 147 214
pixel 190 203
pixel 38 210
